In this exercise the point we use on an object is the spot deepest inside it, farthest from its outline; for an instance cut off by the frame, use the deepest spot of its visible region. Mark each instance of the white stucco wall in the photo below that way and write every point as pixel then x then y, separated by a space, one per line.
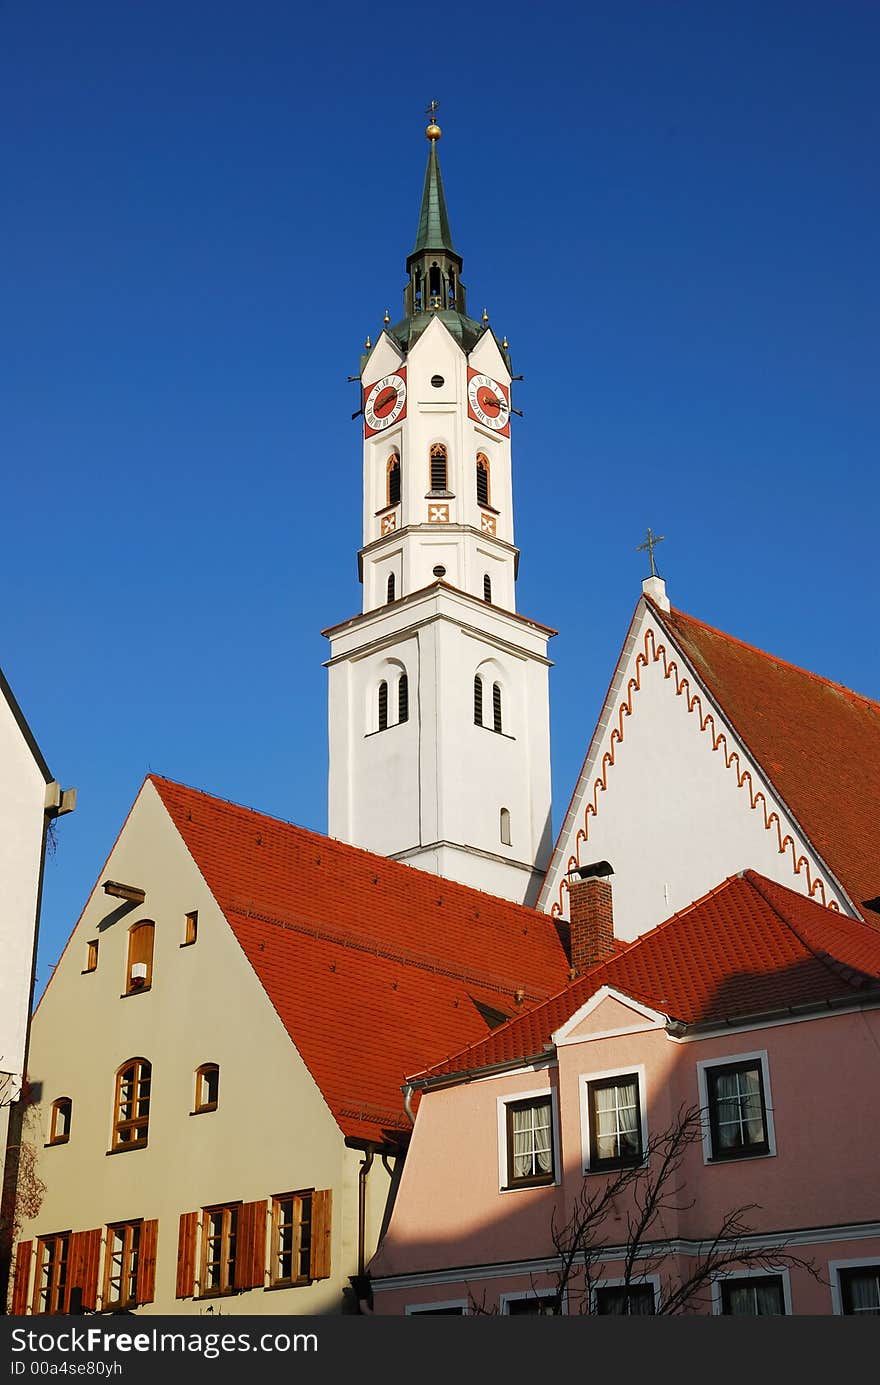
pixel 671 817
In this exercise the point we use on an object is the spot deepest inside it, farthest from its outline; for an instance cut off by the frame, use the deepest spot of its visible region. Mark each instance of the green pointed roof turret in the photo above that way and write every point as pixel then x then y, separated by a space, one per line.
pixel 433 232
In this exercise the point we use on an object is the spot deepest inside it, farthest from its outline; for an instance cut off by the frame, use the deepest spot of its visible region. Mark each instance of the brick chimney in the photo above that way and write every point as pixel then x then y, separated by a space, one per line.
pixel 592 915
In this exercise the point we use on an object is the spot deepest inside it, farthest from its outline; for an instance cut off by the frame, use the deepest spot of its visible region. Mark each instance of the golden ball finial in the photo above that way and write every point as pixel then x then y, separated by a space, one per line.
pixel 433 131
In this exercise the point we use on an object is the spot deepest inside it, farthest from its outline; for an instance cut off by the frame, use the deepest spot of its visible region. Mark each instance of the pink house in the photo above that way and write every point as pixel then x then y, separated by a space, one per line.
pixel 754 1008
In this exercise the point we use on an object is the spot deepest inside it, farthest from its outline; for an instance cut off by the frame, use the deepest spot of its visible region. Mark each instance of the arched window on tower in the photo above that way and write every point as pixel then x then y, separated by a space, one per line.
pixel 383 706
pixel 505 827
pixel 438 466
pixel 434 285
pixel 496 706
pixel 482 479
pixel 478 700
pixel 390 590
pixel 392 480
pixel 417 290
pixel 487 587
pixel 452 288
pixel 403 698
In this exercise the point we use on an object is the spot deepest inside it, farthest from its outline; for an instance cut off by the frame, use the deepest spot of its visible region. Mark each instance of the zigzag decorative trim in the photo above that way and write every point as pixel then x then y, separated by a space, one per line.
pixel 816 885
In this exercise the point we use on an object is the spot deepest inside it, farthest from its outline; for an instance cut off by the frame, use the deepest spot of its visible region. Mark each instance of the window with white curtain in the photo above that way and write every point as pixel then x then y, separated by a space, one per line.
pixel 737 1111
pixel 758 1296
pixel 625 1300
pixel 860 1290
pixel 615 1122
pixel 529 1142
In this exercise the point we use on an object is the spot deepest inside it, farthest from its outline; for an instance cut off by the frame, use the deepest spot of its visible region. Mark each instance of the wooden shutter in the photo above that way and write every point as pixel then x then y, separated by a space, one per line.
pixel 22 1278
pixel 186 1254
pixel 250 1248
pixel 145 1290
pixel 83 1257
pixel 319 1267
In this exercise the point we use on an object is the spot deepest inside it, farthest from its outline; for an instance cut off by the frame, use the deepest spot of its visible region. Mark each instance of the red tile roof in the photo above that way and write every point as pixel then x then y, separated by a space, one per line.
pixel 818 742
pixel 374 968
pixel 748 947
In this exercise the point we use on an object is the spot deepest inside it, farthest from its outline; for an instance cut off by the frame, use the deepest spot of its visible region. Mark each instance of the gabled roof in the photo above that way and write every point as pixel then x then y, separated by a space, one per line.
pixel 374 968
pixel 818 743
pixel 749 947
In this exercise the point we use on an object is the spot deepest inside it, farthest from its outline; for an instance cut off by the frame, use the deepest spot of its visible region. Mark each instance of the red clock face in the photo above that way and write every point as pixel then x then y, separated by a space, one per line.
pixel 385 402
pixel 488 403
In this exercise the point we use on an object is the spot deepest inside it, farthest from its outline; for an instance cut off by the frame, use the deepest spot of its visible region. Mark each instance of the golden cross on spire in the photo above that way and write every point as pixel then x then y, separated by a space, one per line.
pixel 650 544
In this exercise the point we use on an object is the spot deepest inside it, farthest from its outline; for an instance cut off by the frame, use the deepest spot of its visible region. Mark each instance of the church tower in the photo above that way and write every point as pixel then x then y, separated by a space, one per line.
pixel 438 690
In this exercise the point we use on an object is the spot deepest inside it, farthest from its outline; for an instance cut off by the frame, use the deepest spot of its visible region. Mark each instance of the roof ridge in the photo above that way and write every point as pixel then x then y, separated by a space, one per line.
pixel 765 654
pixel 842 970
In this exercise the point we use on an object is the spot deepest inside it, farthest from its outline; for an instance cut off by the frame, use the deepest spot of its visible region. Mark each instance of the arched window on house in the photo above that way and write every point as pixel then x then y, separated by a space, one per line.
pixel 139 970
pixel 478 700
pixel 496 706
pixel 403 698
pixel 207 1087
pixel 505 827
pixel 439 472
pixel 383 706
pixel 482 479
pixel 390 588
pixel 392 480
pixel 487 587
pixel 62 1110
pixel 131 1104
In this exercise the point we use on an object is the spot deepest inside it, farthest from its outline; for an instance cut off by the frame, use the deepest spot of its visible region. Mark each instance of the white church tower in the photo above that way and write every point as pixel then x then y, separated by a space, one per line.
pixel 438 691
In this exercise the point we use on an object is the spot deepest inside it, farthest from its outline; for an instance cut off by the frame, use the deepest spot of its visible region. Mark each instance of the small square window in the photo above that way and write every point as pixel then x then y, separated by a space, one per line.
pixel 615 1122
pixel 625 1300
pixel 91 955
pixel 529 1142
pixel 191 928
pixel 737 1109
pixel 860 1290
pixel 757 1296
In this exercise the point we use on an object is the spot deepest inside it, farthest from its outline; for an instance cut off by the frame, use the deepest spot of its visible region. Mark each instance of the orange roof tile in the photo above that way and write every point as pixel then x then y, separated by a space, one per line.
pixel 375 968
pixel 748 947
pixel 818 743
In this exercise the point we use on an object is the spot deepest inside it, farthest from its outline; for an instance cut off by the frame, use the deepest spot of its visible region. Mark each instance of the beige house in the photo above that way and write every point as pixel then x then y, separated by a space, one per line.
pixel 218 1057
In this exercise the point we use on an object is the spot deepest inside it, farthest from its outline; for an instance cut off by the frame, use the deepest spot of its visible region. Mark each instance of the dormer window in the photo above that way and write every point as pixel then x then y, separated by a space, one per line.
pixel 439 459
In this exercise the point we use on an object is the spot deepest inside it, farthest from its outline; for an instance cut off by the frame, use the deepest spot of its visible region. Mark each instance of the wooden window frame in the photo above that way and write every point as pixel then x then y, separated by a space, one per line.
pixel 203 1075
pixel 128 1270
pixel 539 1180
pixel 191 928
pixel 630 1161
pixel 57 1137
pixel 757 1147
pixel 483 470
pixel 139 955
pixel 139 1123
pixel 228 1214
pixel 91 956
pixel 52 1254
pixel 298 1202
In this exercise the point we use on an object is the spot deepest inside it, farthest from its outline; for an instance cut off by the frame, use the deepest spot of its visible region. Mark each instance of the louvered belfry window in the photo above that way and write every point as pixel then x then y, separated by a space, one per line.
pixel 403 698
pixel 487 588
pixel 393 474
pixel 390 589
pixel 496 706
pixel 383 706
pixel 482 479
pixel 478 701
pixel 438 467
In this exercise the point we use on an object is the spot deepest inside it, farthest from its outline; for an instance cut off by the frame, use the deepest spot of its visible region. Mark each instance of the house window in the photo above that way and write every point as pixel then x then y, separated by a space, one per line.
pixel 487 588
pixel 532 1305
pixel 219 1237
pixel 50 1288
pixel 456 1308
pixel 207 1087
pixel 529 1142
pixel 629 1300
pixel 403 698
pixel 505 827
pixel 438 467
pixel 59 1132
pixel 389 589
pixel 383 706
pixel 737 1110
pixel 392 480
pixel 139 973
pixel 615 1122
pixel 496 707
pixel 131 1116
pixel 860 1290
pixel 757 1296
pixel 482 479
pixel 291 1238
pixel 478 701
pixel 121 1265
pixel 91 955
pixel 191 928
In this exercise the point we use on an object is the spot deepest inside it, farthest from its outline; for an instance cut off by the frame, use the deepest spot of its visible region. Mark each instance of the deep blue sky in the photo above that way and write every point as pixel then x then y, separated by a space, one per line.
pixel 670 208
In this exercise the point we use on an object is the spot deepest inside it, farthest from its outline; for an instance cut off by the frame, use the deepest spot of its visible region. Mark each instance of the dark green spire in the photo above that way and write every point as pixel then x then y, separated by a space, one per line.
pixel 433 232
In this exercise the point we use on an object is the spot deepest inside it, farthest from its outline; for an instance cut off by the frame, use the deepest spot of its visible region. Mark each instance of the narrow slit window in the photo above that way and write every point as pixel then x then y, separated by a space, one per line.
pixel 207 1087
pixel 434 282
pixel 62 1110
pixel 389 590
pixel 403 698
pixel 482 479
pixel 438 467
pixel 393 480
pixel 505 827
pixel 383 706
pixel 91 955
pixel 487 588
pixel 478 701
pixel 191 927
pixel 496 707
